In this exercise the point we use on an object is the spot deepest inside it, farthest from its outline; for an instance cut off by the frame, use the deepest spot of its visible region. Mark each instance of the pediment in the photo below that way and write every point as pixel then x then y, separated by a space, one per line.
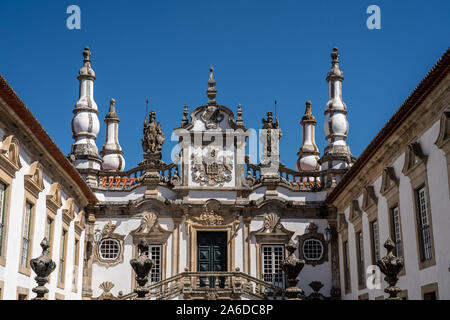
pixel 388 180
pixel 370 200
pixel 69 210
pixel 80 222
pixel 414 158
pixel 272 230
pixel 342 222
pixel 355 212
pixel 34 181
pixel 443 138
pixel 150 230
pixel 54 197
pixel 9 155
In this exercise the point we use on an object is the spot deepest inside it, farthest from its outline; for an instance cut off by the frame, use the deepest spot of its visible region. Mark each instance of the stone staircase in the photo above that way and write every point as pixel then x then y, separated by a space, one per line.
pixel 234 285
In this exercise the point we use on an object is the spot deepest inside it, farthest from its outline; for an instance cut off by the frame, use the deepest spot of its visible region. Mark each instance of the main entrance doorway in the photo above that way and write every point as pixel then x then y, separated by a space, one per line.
pixel 211 255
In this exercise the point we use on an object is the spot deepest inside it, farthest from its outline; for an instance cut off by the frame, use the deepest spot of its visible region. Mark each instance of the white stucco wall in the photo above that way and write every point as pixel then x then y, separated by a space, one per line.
pixel 10 272
pixel 438 186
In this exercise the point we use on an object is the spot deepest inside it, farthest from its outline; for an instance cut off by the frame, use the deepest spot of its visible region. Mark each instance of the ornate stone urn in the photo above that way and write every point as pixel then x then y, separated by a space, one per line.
pixel 142 266
pixel 391 266
pixel 43 267
pixel 292 267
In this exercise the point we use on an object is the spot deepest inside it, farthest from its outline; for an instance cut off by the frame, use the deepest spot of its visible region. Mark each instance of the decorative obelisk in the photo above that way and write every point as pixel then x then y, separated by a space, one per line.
pixel 308 155
pixel 337 153
pixel 112 153
pixel 85 124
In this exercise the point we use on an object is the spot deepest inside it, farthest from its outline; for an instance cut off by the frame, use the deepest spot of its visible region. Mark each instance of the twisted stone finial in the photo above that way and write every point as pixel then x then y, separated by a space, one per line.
pixel 335 56
pixel 212 91
pixel 390 266
pixel 43 266
pixel 239 120
pixel 112 109
pixel 308 116
pixel 335 72
pixel 292 267
pixel 184 120
pixel 142 267
pixel 86 55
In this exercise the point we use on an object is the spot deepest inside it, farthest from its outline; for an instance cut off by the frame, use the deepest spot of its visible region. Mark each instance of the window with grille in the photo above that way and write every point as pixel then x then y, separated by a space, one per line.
pixel 272 256
pixel 375 241
pixel 360 256
pixel 62 257
pixel 26 235
pixel 109 249
pixel 346 266
pixel 75 265
pixel 312 249
pixel 396 233
pixel 424 225
pixel 49 228
pixel 154 253
pixel 2 214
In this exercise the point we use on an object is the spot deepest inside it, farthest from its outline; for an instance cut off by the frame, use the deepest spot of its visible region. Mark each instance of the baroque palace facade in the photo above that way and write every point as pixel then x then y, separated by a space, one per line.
pixel 216 225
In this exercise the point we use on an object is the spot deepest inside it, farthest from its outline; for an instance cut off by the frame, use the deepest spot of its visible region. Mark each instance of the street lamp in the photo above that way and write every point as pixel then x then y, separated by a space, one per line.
pixel 328 233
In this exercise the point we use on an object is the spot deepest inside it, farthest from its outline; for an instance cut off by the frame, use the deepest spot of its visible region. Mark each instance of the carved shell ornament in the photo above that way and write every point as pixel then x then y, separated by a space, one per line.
pixel 148 222
pixel 271 222
pixel 106 286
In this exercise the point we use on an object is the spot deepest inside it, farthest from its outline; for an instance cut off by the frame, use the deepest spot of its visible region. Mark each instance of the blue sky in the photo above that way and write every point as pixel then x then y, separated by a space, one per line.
pixel 261 51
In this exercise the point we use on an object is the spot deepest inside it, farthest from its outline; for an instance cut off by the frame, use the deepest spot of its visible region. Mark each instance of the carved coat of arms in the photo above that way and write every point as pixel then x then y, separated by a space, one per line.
pixel 212 172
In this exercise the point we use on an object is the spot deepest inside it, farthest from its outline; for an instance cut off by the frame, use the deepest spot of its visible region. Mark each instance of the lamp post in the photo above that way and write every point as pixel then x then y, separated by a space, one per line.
pixel 329 233
pixel 97 235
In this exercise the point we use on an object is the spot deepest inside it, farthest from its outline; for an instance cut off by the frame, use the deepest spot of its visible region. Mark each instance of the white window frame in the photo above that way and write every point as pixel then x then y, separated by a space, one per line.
pixel 3 189
pixel 375 240
pixel 396 231
pixel 271 270
pixel 26 234
pixel 424 225
pixel 360 256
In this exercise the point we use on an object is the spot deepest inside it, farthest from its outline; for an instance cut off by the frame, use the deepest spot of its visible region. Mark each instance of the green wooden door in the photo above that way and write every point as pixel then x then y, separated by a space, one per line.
pixel 211 255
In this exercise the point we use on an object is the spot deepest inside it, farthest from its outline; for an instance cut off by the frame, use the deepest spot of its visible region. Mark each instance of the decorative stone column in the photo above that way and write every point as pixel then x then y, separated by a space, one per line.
pixel 391 266
pixel 42 266
pixel 142 266
pixel 292 267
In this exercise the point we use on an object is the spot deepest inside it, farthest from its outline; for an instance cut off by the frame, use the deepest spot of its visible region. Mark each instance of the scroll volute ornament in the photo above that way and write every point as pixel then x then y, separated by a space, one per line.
pixel 43 266
pixel 142 267
pixel 292 267
pixel 390 266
